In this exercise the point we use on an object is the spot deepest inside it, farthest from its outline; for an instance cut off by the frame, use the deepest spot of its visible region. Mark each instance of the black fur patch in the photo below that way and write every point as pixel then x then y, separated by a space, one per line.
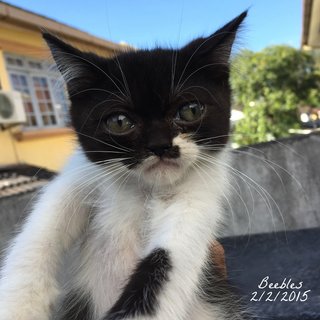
pixel 216 289
pixel 149 87
pixel 139 297
pixel 76 306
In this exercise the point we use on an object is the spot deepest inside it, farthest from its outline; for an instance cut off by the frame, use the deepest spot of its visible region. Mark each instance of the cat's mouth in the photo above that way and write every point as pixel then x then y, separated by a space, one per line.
pixel 162 163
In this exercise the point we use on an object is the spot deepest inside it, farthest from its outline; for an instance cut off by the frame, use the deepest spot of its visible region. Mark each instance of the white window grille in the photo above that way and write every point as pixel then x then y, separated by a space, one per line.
pixel 46 103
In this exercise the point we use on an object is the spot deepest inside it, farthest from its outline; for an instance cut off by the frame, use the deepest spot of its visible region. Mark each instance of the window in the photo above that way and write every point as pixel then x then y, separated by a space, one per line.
pixel 19 83
pixel 60 96
pixel 43 96
pixel 35 65
pixel 46 104
pixel 11 61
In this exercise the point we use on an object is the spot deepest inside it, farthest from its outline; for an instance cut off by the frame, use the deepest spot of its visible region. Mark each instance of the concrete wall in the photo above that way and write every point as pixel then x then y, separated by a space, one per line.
pixel 279 187
pixel 13 211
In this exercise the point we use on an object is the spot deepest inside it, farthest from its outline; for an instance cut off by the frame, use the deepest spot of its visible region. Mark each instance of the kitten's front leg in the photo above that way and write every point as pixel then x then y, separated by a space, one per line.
pixel 165 282
pixel 28 286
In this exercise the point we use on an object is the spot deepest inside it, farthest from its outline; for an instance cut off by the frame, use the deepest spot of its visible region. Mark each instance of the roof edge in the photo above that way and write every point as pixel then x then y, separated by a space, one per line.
pixel 306 16
pixel 9 12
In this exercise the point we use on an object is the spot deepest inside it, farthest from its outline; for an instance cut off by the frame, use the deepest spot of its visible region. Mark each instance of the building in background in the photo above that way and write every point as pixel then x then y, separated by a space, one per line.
pixel 311 28
pixel 46 139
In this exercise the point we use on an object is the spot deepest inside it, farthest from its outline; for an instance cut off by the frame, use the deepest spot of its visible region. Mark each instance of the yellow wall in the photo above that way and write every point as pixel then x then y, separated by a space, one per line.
pixel 7 149
pixel 21 40
pixel 48 152
pixel 45 151
pixel 4 79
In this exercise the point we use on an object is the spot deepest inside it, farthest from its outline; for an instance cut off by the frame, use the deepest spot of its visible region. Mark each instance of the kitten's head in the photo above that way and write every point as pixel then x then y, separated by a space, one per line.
pixel 153 111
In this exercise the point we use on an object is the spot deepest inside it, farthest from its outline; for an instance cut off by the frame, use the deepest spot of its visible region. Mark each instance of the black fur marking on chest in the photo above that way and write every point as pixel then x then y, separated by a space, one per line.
pixel 139 296
pixel 76 306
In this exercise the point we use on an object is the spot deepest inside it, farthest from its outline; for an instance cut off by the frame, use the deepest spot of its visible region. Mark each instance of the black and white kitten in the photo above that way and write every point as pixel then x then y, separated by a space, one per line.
pixel 141 197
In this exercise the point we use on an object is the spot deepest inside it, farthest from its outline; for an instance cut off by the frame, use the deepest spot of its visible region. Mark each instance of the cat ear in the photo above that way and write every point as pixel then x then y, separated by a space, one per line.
pixel 77 68
pixel 217 46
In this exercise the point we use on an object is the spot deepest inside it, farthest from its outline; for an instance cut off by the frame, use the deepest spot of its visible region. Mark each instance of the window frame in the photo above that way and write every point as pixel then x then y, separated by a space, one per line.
pixel 46 73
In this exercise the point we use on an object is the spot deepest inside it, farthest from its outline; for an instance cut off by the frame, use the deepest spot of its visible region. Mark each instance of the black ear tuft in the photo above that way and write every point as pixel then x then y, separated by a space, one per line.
pixel 75 66
pixel 57 46
pixel 227 33
pixel 218 45
pixel 233 25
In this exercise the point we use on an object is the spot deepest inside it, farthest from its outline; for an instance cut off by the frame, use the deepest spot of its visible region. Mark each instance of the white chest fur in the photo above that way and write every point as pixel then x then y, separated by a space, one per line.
pixel 111 248
pixel 123 223
pixel 126 224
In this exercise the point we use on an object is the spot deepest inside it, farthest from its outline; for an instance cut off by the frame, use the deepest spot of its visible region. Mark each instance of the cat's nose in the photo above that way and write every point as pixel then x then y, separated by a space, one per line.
pixel 160 150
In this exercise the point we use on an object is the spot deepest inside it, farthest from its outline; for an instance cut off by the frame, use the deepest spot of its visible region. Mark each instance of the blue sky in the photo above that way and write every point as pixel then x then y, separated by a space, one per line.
pixel 143 23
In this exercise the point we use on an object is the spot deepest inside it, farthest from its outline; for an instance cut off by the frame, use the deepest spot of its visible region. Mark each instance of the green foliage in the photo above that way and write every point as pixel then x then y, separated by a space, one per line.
pixel 269 86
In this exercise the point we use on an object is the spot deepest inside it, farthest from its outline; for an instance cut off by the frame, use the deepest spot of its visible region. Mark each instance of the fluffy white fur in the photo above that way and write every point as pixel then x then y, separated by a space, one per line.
pixel 119 217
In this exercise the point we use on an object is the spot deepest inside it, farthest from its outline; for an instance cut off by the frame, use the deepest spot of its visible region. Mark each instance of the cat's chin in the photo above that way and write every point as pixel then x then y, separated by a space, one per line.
pixel 163 165
pixel 162 172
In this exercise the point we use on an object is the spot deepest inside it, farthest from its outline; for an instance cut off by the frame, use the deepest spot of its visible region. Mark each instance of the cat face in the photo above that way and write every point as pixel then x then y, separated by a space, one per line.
pixel 151 110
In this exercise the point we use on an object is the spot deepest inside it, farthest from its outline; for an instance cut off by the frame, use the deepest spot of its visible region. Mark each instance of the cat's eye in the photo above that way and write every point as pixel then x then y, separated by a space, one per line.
pixel 190 112
pixel 119 124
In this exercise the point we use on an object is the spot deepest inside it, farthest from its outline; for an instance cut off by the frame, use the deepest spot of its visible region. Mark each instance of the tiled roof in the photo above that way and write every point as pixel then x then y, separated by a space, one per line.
pixel 17 180
pixel 13 184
